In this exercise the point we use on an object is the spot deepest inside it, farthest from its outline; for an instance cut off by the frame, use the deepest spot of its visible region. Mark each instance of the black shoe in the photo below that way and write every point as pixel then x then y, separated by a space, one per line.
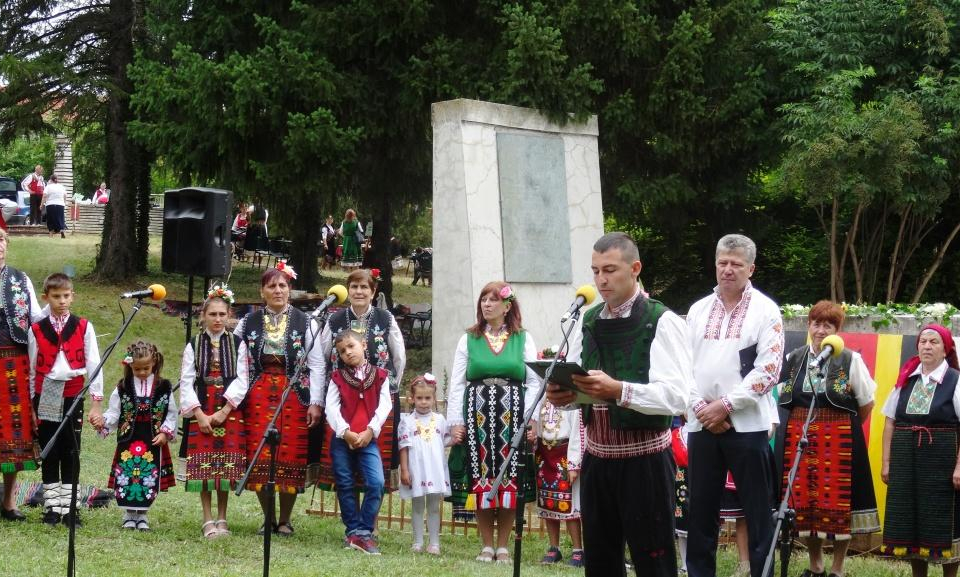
pixel 72 520
pixel 12 514
pixel 809 573
pixel 51 518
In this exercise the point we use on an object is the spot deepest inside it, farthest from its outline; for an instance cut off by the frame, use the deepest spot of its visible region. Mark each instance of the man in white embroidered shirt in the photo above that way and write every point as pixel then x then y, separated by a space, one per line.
pixel 737 340
pixel 627 475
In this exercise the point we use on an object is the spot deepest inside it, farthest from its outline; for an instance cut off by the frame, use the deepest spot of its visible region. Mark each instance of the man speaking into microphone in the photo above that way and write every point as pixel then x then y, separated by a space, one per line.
pixel 637 354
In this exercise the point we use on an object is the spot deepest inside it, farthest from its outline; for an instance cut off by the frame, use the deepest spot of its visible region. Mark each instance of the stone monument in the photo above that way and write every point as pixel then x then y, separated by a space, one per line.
pixel 516 197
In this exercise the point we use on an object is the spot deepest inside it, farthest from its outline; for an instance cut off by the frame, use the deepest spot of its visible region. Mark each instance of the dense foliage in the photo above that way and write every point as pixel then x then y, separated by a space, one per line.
pixel 824 129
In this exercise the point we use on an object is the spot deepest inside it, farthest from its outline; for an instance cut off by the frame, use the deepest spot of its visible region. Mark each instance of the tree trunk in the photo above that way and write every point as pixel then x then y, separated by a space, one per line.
pixel 851 250
pixel 937 261
pixel 836 274
pixel 142 176
pixel 305 236
pixel 118 249
pixel 896 255
pixel 382 231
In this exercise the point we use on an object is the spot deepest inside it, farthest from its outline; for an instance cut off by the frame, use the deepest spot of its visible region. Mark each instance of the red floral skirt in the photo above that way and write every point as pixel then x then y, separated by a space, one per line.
pixel 16 412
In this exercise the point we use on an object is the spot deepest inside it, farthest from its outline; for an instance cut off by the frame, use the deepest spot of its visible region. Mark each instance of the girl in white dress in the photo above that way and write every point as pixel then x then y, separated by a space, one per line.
pixel 424 476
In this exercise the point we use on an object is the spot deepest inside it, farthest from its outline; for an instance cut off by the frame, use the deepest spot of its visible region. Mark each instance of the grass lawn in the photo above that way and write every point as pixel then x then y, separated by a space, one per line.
pixel 174 547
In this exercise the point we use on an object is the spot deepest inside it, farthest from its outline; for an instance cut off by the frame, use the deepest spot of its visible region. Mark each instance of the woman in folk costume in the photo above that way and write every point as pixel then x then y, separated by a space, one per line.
pixel 278 338
pixel 215 455
pixel 144 413
pixel 920 463
pixel 350 229
pixel 833 490
pixel 18 310
pixel 490 387
pixel 385 350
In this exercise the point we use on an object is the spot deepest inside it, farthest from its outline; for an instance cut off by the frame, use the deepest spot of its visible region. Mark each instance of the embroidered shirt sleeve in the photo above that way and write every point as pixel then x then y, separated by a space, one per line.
pixel 457 384
pixel 188 374
pixel 237 390
pixel 317 367
pixel 169 425
pixel 671 372
pixel 383 408
pixel 766 368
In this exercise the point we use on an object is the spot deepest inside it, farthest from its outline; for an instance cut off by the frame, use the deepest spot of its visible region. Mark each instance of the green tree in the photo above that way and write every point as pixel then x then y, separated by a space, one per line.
pixel 66 65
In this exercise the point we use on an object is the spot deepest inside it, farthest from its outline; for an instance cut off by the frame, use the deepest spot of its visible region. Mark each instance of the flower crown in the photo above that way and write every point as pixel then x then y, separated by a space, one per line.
pixel 221 291
pixel 127 360
pixel 506 293
pixel 286 269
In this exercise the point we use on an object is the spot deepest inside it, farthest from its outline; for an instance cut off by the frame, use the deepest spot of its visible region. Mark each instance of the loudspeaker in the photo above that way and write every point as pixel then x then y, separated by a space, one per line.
pixel 196 231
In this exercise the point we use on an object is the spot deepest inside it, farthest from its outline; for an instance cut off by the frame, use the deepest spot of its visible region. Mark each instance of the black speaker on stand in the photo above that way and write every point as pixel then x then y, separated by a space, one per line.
pixel 196 236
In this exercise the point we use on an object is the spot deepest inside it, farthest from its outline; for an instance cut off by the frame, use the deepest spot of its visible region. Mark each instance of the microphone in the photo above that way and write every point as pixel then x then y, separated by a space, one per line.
pixel 336 294
pixel 831 346
pixel 154 291
pixel 585 296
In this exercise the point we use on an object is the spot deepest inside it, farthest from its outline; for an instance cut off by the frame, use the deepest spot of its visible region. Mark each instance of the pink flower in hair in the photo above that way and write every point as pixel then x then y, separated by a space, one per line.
pixel 286 269
pixel 506 293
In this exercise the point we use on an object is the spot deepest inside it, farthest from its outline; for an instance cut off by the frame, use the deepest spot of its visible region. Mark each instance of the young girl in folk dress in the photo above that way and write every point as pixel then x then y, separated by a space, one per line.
pixel 557 467
pixel 144 414
pixel 213 447
pixel 424 476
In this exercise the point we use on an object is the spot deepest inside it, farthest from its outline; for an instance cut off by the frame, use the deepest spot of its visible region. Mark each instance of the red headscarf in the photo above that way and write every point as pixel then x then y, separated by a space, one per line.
pixel 949 347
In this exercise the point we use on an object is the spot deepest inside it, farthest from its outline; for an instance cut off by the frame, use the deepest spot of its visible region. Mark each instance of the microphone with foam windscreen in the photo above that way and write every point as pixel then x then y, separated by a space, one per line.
pixel 585 295
pixel 337 294
pixel 155 292
pixel 831 346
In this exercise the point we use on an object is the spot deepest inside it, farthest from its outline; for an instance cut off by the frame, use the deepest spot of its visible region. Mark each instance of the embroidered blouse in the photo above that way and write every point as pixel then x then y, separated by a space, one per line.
pixel 142 388
pixel 716 338
pixel 936 376
pixel 188 374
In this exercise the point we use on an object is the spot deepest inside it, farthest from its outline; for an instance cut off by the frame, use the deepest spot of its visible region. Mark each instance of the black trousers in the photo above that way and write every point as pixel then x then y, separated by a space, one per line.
pixel 628 502
pixel 35 215
pixel 749 458
pixel 59 467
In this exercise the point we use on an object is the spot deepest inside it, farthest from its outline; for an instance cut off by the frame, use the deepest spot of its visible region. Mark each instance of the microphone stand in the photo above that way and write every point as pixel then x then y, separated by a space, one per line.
pixel 75 450
pixel 786 517
pixel 271 436
pixel 518 446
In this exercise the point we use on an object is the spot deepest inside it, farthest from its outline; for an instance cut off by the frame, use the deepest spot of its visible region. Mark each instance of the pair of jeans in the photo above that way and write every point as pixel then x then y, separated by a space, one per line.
pixel 346 462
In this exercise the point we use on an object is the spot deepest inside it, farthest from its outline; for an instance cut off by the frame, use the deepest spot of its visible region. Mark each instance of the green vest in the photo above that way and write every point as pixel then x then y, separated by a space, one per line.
pixel 483 363
pixel 621 348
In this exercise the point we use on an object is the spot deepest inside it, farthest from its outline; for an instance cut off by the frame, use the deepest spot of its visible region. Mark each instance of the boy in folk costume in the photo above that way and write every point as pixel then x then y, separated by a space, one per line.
pixel 358 403
pixel 63 353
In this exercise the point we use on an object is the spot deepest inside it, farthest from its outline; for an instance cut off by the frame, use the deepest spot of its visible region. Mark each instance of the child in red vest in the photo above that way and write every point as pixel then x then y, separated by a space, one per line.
pixel 63 352
pixel 358 403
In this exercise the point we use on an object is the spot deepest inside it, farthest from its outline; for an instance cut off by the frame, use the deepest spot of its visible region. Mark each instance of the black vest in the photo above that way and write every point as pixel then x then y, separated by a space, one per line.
pixel 837 388
pixel 378 349
pixel 941 409
pixel 229 343
pixel 294 342
pixel 15 303
pixel 160 400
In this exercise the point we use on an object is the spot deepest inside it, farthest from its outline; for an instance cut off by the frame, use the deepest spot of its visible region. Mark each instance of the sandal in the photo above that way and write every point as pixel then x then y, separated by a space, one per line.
pixel 433 549
pixel 417 548
pixel 280 529
pixel 486 555
pixel 222 527
pixel 260 530
pixel 209 530
pixel 503 555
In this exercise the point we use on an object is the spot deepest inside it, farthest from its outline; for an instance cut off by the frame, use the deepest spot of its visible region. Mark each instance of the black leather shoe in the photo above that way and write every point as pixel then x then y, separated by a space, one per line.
pixel 12 515
pixel 51 518
pixel 72 520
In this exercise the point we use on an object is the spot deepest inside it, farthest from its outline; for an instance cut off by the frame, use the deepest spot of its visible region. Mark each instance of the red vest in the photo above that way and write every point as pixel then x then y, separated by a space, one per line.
pixel 49 345
pixel 352 397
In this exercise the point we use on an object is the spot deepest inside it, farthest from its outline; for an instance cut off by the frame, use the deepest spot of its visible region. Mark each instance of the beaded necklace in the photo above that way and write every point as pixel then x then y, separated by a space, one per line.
pixel 497 340
pixel 426 431
pixel 275 328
